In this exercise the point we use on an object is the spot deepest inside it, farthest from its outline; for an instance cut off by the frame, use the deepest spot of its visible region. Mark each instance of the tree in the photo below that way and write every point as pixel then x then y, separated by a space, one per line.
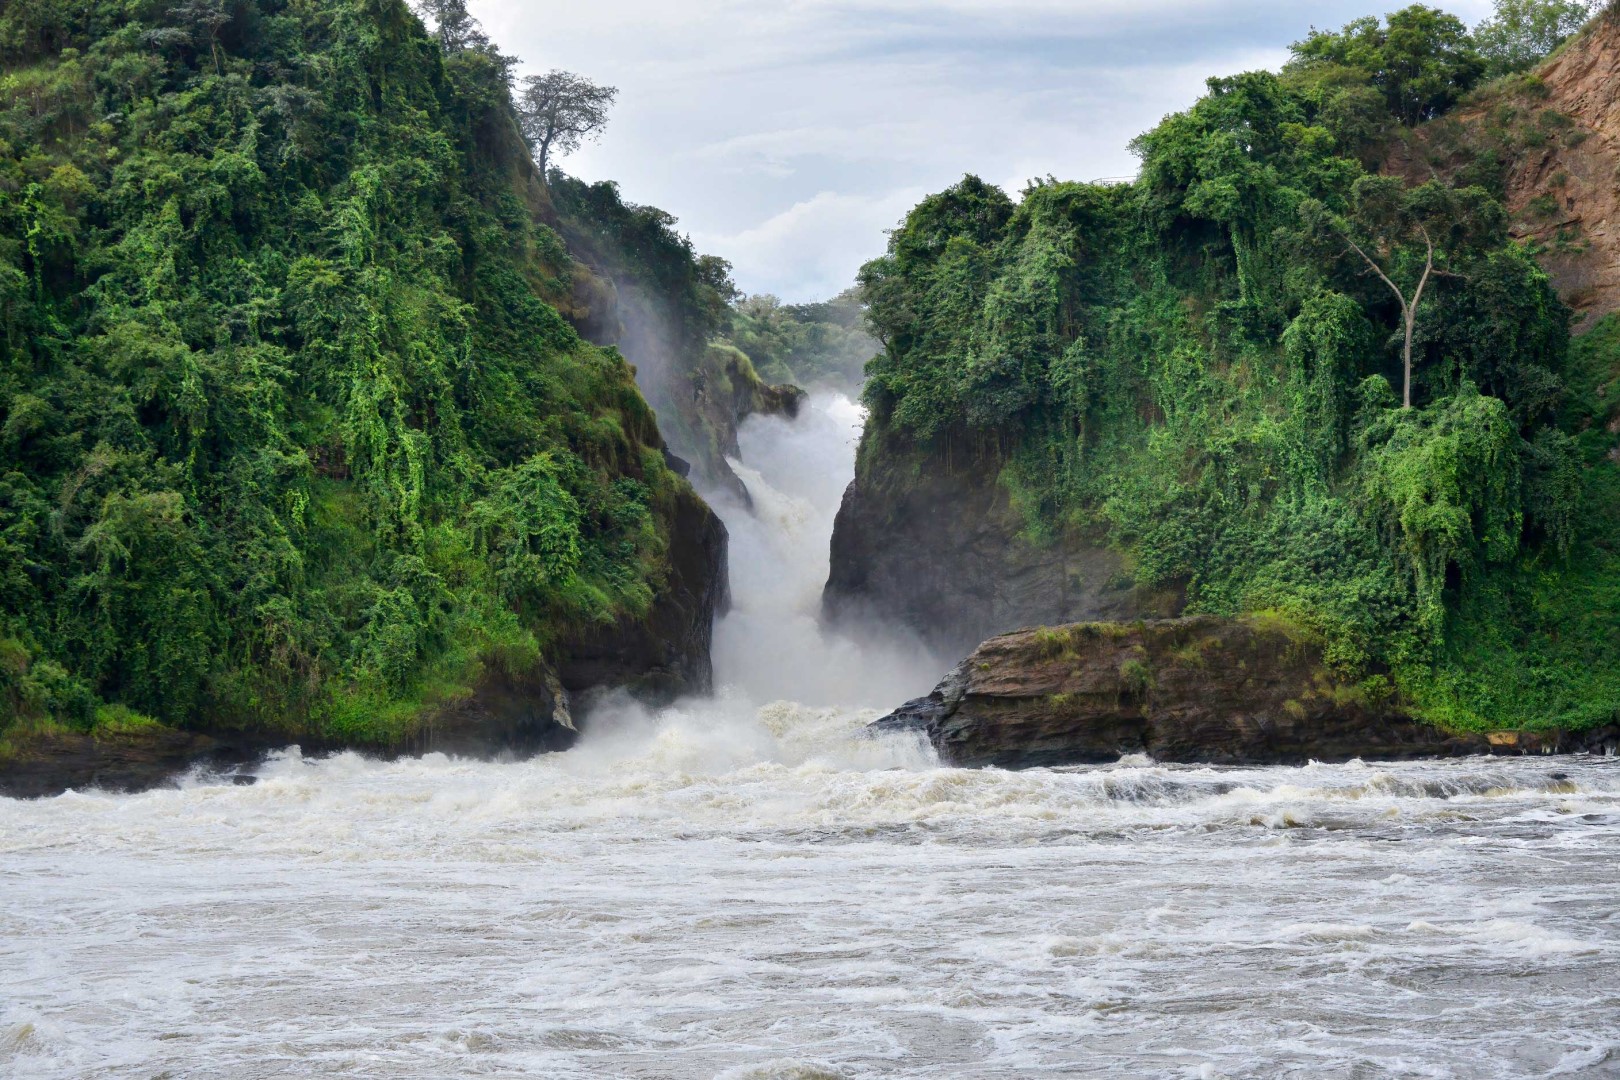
pixel 1524 32
pixel 454 24
pixel 1411 235
pixel 210 17
pixel 1423 60
pixel 559 111
pixel 1409 308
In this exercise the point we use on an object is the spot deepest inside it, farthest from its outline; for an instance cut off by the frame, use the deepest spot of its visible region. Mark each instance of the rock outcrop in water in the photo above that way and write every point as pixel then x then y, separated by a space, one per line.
pixel 1204 689
pixel 506 715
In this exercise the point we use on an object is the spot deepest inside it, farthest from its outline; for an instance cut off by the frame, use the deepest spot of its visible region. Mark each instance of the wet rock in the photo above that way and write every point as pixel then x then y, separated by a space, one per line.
pixel 506 715
pixel 42 765
pixel 927 714
pixel 677 465
pixel 935 546
pixel 666 654
pixel 1218 691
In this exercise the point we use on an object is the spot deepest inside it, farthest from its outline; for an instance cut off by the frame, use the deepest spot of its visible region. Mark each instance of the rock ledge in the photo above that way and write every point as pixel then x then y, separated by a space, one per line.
pixel 1209 690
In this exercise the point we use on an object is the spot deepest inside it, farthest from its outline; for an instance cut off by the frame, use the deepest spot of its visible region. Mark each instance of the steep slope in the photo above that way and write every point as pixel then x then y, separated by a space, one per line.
pixel 942 549
pixel 666 308
pixel 1185 394
pixel 1549 144
pixel 296 440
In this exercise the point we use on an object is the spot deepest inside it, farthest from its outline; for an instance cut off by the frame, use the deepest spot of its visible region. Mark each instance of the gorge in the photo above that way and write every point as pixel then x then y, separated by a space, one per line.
pixel 446 628
pixel 742 888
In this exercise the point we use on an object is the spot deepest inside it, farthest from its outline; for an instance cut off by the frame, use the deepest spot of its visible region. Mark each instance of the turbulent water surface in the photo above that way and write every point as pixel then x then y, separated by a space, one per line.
pixel 746 890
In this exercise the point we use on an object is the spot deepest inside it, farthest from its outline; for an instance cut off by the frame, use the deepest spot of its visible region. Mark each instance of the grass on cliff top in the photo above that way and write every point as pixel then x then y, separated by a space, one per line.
pixel 110 722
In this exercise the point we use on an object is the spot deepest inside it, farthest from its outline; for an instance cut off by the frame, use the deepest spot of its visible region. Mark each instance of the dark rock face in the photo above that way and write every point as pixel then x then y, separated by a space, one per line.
pixel 667 653
pixel 123 762
pixel 942 553
pixel 1208 690
pixel 506 715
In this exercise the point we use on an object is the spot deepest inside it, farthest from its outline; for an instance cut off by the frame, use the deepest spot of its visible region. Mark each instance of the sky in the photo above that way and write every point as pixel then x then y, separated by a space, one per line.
pixel 788 136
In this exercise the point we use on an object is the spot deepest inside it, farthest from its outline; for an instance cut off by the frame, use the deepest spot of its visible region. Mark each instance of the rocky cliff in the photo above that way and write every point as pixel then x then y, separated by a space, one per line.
pixel 350 477
pixel 666 653
pixel 943 552
pixel 641 288
pixel 1190 393
pixel 1208 690
pixel 1549 143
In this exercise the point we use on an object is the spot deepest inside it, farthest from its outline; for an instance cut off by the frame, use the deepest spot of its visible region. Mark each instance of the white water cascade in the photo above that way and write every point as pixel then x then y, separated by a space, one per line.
pixel 745 888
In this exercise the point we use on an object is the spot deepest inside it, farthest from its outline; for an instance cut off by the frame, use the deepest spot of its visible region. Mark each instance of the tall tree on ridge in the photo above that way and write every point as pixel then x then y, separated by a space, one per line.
pixel 1421 59
pixel 1524 32
pixel 559 111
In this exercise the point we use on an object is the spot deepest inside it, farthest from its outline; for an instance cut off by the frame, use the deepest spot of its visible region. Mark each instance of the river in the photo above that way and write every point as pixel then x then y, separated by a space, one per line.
pixel 746 888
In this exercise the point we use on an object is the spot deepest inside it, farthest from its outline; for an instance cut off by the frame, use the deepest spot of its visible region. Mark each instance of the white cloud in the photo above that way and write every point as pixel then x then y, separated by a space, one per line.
pixel 810 250
pixel 788 134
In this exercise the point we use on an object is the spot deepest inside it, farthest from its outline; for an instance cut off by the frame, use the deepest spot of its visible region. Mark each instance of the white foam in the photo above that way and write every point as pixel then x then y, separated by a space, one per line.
pixel 772 645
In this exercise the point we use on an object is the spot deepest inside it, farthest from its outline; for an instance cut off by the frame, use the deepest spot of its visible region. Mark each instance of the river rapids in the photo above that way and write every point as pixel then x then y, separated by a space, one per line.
pixel 747 888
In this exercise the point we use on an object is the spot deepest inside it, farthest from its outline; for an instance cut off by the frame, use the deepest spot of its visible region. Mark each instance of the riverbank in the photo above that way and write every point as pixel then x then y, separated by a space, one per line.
pixel 1245 691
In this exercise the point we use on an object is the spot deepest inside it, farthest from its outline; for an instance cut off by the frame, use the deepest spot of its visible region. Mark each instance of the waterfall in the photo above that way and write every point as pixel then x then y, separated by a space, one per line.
pixel 771 646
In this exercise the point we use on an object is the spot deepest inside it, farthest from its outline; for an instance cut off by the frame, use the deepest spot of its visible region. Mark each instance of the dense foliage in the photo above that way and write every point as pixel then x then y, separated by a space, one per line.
pixel 825 344
pixel 291 431
pixel 669 308
pixel 1421 60
pixel 1203 366
pixel 1522 32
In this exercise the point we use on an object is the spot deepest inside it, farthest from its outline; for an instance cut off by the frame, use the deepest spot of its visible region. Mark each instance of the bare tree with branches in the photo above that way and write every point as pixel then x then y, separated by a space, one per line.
pixel 1405 235
pixel 559 111
pixel 209 17
pixel 1409 308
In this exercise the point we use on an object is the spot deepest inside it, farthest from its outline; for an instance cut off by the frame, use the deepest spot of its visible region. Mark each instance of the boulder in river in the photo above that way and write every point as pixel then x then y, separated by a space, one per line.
pixel 1250 690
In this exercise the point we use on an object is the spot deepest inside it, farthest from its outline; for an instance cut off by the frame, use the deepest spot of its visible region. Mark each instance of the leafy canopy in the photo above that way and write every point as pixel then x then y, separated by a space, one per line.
pixel 1198 370
pixel 1522 33
pixel 1421 59
pixel 292 432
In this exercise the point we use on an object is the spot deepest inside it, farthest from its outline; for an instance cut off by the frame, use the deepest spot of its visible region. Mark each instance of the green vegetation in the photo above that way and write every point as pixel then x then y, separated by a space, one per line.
pixel 1136 677
pixel 706 356
pixel 1420 59
pixel 671 310
pixel 1522 32
pixel 823 344
pixel 293 433
pixel 1205 367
